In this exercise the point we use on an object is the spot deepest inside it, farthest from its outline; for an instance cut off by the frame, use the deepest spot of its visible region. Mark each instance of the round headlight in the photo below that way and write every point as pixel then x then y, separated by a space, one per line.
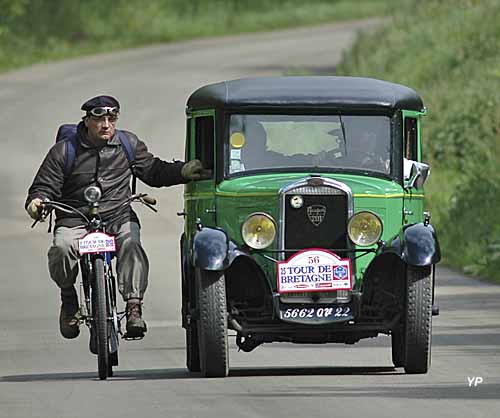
pixel 92 194
pixel 258 230
pixel 364 228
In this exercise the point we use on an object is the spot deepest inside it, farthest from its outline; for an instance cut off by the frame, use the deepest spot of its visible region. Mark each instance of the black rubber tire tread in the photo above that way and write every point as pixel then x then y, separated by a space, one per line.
pixel 192 348
pixel 101 319
pixel 398 348
pixel 110 370
pixel 418 324
pixel 113 358
pixel 212 323
pixel 113 332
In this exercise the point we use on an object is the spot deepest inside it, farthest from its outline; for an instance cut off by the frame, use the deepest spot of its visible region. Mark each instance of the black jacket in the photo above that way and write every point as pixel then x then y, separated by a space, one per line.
pixel 106 166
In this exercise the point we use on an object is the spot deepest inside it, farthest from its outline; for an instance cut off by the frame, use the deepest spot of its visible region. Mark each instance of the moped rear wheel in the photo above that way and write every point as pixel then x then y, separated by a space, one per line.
pixel 100 316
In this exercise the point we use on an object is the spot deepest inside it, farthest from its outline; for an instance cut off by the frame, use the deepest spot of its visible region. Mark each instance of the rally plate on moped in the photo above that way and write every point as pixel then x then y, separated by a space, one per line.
pixel 96 242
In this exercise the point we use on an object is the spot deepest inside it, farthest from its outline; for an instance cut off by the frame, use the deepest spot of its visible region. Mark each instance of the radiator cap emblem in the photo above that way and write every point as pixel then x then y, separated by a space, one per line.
pixel 315 181
pixel 296 201
pixel 316 214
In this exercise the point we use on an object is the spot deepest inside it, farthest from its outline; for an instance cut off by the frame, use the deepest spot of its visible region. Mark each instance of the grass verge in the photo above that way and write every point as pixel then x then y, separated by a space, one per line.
pixel 34 31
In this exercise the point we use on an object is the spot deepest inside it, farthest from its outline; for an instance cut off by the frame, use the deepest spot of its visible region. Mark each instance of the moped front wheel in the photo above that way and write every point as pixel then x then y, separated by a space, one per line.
pixel 100 318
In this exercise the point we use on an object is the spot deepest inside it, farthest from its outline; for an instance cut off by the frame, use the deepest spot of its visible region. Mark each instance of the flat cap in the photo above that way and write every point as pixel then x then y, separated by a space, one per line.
pixel 100 101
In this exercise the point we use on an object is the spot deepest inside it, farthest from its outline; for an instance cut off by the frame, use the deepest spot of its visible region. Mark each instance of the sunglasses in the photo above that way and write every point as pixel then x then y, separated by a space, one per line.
pixel 99 112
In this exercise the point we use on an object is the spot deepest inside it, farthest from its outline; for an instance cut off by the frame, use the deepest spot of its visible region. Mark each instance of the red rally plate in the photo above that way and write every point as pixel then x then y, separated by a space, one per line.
pixel 314 270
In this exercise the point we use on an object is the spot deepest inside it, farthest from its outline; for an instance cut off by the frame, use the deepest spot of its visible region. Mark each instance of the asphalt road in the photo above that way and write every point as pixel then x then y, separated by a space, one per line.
pixel 42 375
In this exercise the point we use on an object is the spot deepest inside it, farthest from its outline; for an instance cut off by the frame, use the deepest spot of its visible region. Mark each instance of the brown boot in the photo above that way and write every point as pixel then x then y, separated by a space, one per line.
pixel 136 327
pixel 69 323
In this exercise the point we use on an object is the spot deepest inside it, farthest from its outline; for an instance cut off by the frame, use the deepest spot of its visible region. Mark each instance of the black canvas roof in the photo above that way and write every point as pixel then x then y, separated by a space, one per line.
pixel 348 93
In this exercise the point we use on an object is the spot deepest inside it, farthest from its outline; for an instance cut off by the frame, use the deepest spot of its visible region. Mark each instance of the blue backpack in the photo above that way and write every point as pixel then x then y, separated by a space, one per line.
pixel 67 133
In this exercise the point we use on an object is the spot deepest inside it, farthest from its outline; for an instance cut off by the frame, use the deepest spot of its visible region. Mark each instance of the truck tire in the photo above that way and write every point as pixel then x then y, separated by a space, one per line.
pixel 212 323
pixel 192 347
pixel 418 320
pixel 398 348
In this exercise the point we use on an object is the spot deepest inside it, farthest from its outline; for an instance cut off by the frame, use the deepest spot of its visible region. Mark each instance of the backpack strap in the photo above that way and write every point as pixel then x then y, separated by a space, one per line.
pixel 130 153
pixel 71 146
pixel 127 146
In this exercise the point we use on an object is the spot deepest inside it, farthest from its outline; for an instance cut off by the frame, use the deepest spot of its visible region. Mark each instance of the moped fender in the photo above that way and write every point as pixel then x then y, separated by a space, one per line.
pixel 213 250
pixel 416 245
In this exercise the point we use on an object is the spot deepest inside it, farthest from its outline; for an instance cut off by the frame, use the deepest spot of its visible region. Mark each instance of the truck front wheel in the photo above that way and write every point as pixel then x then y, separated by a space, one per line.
pixel 212 323
pixel 418 320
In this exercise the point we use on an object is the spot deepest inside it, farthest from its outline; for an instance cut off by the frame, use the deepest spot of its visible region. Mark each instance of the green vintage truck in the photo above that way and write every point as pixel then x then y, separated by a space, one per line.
pixel 311 228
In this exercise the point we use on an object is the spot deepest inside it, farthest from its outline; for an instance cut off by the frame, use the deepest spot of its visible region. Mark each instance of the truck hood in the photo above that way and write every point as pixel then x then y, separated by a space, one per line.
pixel 270 184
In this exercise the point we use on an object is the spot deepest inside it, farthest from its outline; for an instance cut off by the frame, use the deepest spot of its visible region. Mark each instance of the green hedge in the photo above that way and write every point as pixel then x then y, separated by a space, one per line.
pixel 448 50
pixel 40 30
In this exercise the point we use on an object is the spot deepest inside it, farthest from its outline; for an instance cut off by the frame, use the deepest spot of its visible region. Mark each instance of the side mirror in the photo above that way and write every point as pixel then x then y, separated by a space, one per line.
pixel 415 173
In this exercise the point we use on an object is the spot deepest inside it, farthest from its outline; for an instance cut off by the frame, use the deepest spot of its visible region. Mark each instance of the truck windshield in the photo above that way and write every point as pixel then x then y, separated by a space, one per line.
pixel 259 142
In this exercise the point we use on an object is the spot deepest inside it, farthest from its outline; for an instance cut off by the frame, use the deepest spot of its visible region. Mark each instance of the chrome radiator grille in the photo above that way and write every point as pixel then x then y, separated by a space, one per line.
pixel 321 222
pixel 315 190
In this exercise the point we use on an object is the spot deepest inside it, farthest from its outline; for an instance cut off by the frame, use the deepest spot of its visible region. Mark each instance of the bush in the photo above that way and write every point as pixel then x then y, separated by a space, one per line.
pixel 447 50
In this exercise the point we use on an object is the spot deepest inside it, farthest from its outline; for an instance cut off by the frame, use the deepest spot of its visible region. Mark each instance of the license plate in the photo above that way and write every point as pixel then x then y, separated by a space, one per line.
pixel 314 270
pixel 316 314
pixel 96 242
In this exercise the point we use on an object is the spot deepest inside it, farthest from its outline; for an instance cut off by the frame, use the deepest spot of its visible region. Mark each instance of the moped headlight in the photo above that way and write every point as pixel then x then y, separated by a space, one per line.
pixel 92 194
pixel 364 228
pixel 258 230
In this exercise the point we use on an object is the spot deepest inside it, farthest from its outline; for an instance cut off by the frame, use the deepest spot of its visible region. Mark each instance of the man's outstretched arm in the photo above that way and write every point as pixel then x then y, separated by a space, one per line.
pixel 156 172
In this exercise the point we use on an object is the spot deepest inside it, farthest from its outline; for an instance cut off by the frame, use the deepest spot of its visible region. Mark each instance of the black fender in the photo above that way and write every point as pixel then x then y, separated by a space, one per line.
pixel 416 245
pixel 213 250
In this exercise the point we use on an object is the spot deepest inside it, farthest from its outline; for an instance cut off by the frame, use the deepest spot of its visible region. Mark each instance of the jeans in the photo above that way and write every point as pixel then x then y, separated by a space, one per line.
pixel 132 265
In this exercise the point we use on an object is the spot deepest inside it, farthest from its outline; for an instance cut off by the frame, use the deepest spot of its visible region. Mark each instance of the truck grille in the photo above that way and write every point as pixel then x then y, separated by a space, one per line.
pixel 320 222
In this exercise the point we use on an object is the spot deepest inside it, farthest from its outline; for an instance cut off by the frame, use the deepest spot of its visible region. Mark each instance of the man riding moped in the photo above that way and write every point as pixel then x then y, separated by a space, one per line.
pixel 100 159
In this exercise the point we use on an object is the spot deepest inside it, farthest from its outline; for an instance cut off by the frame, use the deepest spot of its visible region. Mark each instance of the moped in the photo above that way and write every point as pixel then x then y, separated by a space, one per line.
pixel 98 309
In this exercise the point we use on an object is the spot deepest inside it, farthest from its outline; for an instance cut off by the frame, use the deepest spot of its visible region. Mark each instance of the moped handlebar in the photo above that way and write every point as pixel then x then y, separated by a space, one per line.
pixel 145 200
pixel 49 205
pixel 149 200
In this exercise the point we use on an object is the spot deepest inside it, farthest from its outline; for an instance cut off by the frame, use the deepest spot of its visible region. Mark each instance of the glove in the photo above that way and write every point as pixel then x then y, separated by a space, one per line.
pixel 34 207
pixel 193 170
